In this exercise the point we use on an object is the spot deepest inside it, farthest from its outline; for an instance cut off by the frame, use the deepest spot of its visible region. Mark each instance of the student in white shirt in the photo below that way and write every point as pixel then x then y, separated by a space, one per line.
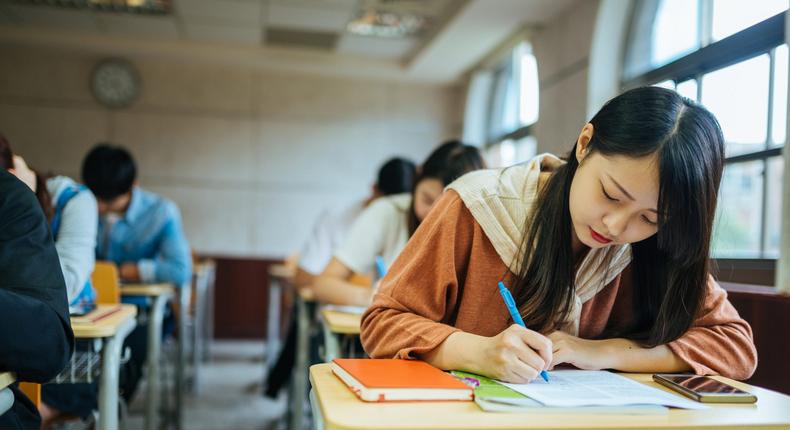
pixel 394 177
pixel 384 227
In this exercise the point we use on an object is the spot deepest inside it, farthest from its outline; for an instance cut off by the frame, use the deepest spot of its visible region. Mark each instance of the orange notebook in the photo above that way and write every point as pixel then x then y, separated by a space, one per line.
pixel 387 380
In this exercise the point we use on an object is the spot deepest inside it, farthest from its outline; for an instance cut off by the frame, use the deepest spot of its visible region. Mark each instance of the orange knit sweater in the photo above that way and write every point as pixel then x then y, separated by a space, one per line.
pixel 445 280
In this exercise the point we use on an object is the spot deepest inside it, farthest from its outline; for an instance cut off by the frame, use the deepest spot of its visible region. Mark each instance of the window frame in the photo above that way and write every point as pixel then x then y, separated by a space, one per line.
pixel 759 39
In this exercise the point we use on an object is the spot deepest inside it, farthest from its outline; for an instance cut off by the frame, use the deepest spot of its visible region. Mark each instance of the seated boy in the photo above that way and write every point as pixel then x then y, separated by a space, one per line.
pixel 138 230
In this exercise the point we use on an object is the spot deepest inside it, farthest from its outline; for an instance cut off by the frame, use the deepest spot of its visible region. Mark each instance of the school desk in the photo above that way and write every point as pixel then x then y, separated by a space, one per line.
pixel 336 325
pixel 280 277
pixel 305 322
pixel 158 295
pixel 112 329
pixel 335 407
pixel 6 395
pixel 201 311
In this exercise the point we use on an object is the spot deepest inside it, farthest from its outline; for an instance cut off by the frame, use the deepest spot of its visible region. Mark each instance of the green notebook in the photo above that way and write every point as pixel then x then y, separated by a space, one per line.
pixel 491 396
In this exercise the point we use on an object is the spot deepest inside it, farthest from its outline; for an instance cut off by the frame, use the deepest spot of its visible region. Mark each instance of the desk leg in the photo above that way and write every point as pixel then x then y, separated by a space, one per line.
pixel 331 344
pixel 299 376
pixel 183 296
pixel 108 384
pixel 273 323
pixel 6 400
pixel 155 317
pixel 318 419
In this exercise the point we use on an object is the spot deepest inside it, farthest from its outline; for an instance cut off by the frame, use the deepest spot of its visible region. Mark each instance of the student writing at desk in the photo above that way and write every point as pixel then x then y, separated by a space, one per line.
pixel 607 256
pixel 71 212
pixel 138 230
pixel 36 340
pixel 384 227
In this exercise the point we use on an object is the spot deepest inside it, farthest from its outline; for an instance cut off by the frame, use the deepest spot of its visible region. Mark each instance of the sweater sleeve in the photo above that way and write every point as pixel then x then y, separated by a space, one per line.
pixel 719 342
pixel 414 309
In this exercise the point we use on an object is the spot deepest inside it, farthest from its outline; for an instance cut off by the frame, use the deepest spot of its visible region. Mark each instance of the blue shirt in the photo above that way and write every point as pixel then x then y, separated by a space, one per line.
pixel 151 234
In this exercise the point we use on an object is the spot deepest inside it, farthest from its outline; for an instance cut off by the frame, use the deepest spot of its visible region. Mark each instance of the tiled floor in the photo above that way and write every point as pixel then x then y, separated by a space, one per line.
pixel 229 396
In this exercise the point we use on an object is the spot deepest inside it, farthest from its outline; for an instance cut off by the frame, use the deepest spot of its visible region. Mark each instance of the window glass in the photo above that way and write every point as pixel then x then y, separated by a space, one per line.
pixel 739 215
pixel 529 91
pixel 773 205
pixel 674 31
pixel 732 16
pixel 688 89
pixel 779 120
pixel 742 108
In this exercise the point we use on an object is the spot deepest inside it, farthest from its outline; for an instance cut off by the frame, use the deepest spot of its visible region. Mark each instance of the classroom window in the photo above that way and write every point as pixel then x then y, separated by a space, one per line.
pixel 513 108
pixel 730 56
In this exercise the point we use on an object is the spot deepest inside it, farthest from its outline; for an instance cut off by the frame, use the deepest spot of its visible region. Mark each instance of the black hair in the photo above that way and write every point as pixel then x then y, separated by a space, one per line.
pixel 448 162
pixel 670 268
pixel 109 171
pixel 396 176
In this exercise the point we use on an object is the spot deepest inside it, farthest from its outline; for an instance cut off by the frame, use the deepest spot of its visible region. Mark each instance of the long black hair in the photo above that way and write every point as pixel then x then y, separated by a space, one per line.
pixel 670 268
pixel 448 162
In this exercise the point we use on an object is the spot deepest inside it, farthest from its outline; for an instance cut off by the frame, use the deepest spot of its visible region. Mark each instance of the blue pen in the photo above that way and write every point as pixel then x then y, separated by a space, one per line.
pixel 380 266
pixel 511 307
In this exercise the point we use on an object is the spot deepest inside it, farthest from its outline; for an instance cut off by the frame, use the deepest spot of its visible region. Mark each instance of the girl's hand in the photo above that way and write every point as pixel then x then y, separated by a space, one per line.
pixel 515 355
pixel 582 353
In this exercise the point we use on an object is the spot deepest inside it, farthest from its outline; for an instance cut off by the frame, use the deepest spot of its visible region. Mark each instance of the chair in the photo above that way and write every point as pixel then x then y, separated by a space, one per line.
pixel 32 391
pixel 107 283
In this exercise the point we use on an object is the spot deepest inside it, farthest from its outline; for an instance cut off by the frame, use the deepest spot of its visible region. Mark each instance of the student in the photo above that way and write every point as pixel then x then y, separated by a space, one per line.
pixel 394 177
pixel 138 230
pixel 73 221
pixel 386 225
pixel 71 211
pixel 607 256
pixel 36 340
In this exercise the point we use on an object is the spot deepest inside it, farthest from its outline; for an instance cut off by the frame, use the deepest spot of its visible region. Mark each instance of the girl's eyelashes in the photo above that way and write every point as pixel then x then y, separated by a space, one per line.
pixel 647 221
pixel 607 194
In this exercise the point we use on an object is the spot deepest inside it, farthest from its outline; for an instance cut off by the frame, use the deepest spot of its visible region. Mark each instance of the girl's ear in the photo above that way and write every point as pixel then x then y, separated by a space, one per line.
pixel 583 142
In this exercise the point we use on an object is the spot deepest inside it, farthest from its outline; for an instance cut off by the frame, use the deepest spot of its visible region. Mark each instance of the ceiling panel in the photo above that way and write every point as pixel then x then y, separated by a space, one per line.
pixel 243 12
pixel 394 49
pixel 222 34
pixel 150 27
pixel 299 16
pixel 46 16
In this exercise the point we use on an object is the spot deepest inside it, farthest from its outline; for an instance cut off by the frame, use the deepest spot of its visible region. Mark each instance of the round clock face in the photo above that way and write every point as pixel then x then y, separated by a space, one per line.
pixel 115 83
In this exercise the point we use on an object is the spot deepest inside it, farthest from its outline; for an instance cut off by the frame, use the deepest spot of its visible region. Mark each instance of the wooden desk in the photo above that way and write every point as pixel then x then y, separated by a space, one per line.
pixel 341 322
pixel 337 325
pixel 305 322
pixel 112 329
pixel 159 294
pixel 147 290
pixel 280 281
pixel 104 327
pixel 340 409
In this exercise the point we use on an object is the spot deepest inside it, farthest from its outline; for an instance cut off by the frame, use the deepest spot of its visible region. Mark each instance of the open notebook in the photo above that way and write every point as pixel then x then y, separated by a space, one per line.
pixel 384 380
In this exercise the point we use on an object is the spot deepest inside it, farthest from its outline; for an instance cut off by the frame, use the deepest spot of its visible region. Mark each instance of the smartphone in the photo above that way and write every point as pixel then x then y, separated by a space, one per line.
pixel 704 389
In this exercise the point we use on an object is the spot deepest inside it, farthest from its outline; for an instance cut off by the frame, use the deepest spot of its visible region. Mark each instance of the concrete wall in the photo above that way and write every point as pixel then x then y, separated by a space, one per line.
pixel 250 156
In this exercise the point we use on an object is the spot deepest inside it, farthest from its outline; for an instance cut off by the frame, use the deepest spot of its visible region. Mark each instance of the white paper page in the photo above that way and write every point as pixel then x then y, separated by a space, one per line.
pixel 597 388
